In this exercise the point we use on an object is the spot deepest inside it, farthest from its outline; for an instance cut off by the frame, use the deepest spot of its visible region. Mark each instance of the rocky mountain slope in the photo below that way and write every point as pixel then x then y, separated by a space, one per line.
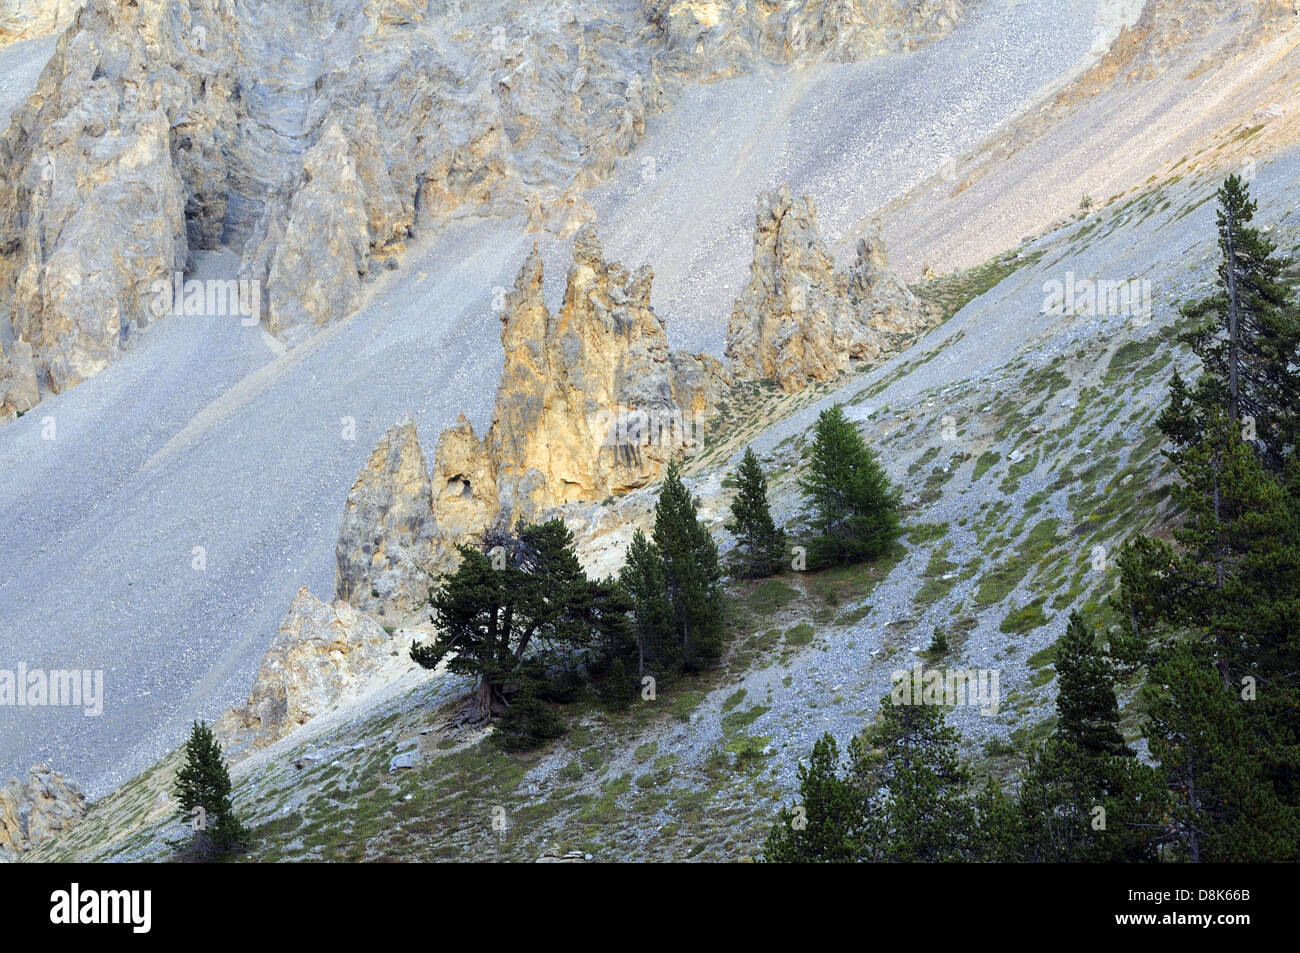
pixel 1021 438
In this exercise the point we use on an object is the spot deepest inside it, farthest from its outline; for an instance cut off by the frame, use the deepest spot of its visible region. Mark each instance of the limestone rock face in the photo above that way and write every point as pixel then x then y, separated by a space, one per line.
pixel 29 19
pixel 388 537
pixel 107 173
pixel 33 811
pixel 315 275
pixel 590 403
pixel 722 37
pixel 464 484
pixel 19 392
pixel 321 651
pixel 801 318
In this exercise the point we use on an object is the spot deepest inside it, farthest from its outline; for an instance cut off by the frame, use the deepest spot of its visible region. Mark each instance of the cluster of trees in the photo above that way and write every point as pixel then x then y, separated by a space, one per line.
pixel 1210 627
pixel 852 508
pixel 521 617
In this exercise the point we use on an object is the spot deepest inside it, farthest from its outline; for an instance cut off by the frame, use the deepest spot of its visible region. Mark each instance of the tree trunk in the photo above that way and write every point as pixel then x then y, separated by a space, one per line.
pixel 1234 349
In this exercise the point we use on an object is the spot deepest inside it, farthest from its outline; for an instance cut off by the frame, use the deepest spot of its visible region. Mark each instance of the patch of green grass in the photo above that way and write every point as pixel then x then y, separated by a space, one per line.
pixel 1025 619
pixel 801 634
pixel 984 462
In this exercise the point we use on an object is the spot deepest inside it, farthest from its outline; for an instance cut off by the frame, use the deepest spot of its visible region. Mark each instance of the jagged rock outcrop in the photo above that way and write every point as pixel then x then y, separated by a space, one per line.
pixel 321 652
pixel 388 541
pixel 464 484
pixel 33 811
pixel 19 391
pixel 319 261
pixel 313 137
pixel 801 318
pixel 723 37
pixel 107 173
pixel 590 402
pixel 29 19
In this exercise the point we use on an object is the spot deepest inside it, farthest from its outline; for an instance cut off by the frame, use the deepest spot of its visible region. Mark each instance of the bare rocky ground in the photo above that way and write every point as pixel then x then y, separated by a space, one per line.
pixel 1023 441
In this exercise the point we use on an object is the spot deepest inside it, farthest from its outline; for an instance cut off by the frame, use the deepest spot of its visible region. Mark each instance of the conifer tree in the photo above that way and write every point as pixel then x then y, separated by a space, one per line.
pixel 827 825
pixel 1083 795
pixel 1248 340
pixel 658 653
pixel 921 795
pixel 518 594
pixel 1223 809
pixel 691 573
pixel 760 544
pixel 853 508
pixel 202 792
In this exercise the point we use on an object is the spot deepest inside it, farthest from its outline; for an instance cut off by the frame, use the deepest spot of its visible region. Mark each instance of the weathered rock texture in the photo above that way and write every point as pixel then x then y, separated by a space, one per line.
pixel 315 136
pixel 591 401
pixel 19 392
pixel 387 544
pixel 29 19
pixel 112 159
pixel 320 653
pixel 722 37
pixel 801 318
pixel 32 812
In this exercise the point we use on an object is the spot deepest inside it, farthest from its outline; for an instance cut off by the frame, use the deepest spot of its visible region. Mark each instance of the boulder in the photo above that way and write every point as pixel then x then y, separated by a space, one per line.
pixel 320 653
pixel 34 811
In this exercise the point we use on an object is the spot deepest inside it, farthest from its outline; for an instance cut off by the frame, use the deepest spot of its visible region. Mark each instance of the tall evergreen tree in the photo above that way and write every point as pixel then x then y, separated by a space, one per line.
pixel 921 797
pixel 1223 809
pixel 1248 340
pixel 518 594
pixel 1086 708
pixel 828 823
pixel 853 508
pixel 642 578
pixel 202 792
pixel 691 573
pixel 760 544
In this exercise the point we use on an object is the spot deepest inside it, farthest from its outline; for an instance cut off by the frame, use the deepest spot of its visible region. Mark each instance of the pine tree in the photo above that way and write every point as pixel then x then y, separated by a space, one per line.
pixel 691 573
pixel 760 545
pixel 518 594
pixel 1083 795
pixel 827 825
pixel 921 794
pixel 1223 809
pixel 1086 708
pixel 202 792
pixel 854 510
pixel 658 652
pixel 1248 340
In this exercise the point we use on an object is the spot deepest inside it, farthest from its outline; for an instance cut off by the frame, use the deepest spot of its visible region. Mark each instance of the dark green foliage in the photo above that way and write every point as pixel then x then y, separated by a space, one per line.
pixel 760 544
pixel 529 722
pixel 202 794
pixel 829 822
pixel 1223 808
pixel 537 603
pixel 1248 338
pixel 920 791
pixel 1087 712
pixel 853 508
pixel 675 586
